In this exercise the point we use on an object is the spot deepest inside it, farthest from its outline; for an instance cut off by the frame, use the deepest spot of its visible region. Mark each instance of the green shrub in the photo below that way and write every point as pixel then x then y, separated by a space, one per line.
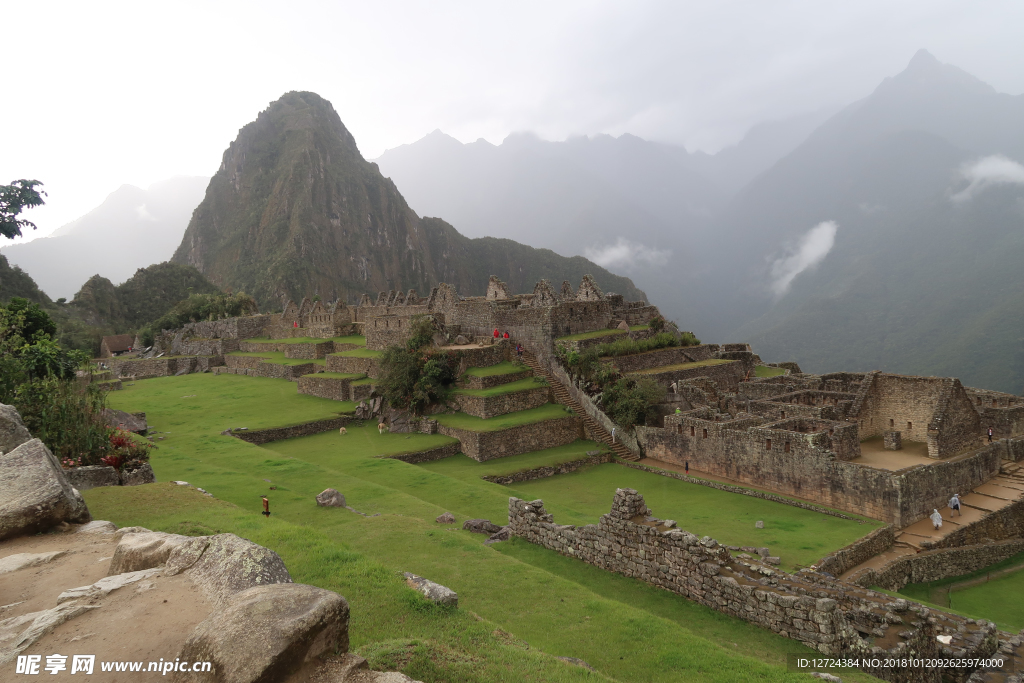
pixel 412 379
pixel 199 307
pixel 630 401
pixel 627 346
pixel 65 417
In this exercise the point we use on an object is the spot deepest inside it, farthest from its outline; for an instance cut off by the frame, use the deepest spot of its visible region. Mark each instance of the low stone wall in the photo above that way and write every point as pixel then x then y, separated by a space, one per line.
pixel 627 439
pixel 550 471
pixel 486 407
pixel 654 359
pixel 996 526
pixel 826 616
pixel 335 388
pixel 262 436
pixel 360 392
pixel 438 453
pixel 471 382
pixel 483 446
pixel 483 357
pixel 726 375
pixel 206 347
pixel 861 550
pixel 253 366
pixel 347 364
pixel 310 351
pixel 249 362
pixel 933 565
pixel 734 489
pixel 142 368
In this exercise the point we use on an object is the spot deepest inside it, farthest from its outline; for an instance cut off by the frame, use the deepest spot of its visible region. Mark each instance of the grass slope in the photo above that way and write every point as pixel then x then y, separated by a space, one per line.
pixel 510 388
pixel 277 357
pixel 503 368
pixel 681 366
pixel 548 411
pixel 661 637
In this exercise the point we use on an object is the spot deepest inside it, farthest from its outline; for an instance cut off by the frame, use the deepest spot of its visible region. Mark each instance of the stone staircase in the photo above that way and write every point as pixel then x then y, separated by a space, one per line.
pixel 1013 471
pixel 563 396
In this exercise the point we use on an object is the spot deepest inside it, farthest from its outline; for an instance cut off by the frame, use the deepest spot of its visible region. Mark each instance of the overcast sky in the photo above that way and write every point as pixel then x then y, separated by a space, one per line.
pixel 102 94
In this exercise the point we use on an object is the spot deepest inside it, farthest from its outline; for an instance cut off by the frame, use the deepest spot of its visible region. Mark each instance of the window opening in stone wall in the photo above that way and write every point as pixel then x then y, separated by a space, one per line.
pixel 785 447
pixel 910 426
pixel 768 444
pixel 680 429
pixel 995 403
pixel 892 423
pixel 783 413
pixel 705 433
pixel 693 431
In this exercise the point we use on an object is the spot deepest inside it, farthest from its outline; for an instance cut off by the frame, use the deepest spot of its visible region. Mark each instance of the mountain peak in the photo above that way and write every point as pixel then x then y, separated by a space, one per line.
pixel 923 59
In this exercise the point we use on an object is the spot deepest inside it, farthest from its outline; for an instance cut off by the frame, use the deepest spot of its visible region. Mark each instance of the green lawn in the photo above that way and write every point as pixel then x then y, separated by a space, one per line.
pixel 548 411
pixel 277 357
pixel 360 353
pixel 626 630
pixel 1000 599
pixel 591 335
pixel 503 368
pixel 339 375
pixel 512 387
pixel 682 366
pixel 350 339
pixel 799 537
pixel 465 468
pixel 765 371
pixel 361 382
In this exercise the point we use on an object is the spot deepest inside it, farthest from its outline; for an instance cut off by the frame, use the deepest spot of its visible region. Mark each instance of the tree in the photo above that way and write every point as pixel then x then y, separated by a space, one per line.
pixel 14 198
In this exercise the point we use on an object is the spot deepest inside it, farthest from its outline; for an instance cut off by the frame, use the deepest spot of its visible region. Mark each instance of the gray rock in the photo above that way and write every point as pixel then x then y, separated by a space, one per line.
pixel 92 476
pixel 144 550
pixel 826 677
pixel 34 493
pixel 19 633
pixel 225 564
pixel 106 585
pixel 623 326
pixel 576 661
pixel 330 498
pixel 446 518
pixel 481 526
pixel 773 560
pixel 13 432
pixel 503 534
pixel 143 474
pixel 118 419
pixel 266 633
pixel 97 527
pixel 759 524
pixel 461 340
pixel 434 592
pixel 13 563
pixel 398 422
pixel 763 552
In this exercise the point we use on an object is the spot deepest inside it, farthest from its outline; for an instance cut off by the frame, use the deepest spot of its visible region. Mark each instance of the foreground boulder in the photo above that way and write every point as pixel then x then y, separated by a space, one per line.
pixel 143 550
pixel 143 474
pixel 434 592
pixel 92 476
pixel 266 633
pixel 481 526
pixel 34 493
pixel 225 564
pixel 118 419
pixel 13 432
pixel 330 498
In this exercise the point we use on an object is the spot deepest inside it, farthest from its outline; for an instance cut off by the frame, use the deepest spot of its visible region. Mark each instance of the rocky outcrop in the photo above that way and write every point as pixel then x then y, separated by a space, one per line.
pixel 13 432
pixel 13 563
pixel 106 585
pixel 34 493
pixel 92 476
pixel 434 592
pixel 266 633
pixel 19 633
pixel 143 550
pixel 445 518
pixel 118 419
pixel 481 526
pixel 143 474
pixel 225 564
pixel 330 498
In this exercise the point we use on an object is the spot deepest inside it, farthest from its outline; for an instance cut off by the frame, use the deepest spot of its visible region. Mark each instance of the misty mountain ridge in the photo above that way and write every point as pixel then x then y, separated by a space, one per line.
pixel 131 229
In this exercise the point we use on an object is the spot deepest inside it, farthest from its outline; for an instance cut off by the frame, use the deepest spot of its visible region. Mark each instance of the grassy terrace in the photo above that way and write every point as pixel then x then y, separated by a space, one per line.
pixel 338 375
pixel 361 382
pixel 510 388
pixel 522 593
pixel 681 366
pixel 350 339
pixel 277 357
pixel 503 368
pixel 601 333
pixel 548 411
pixel 467 469
pixel 765 371
pixel 359 353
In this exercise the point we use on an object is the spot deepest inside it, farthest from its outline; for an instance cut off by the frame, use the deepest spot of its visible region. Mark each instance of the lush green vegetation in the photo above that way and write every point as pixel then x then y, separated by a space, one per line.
pixel 997 593
pixel 765 371
pixel 198 307
pixel 630 401
pixel 467 469
pixel 524 384
pixel 627 630
pixel 628 346
pixel 682 366
pixel 277 357
pixel 415 376
pixel 502 368
pixel 15 198
pixel 548 411
pixel 597 334
pixel 338 375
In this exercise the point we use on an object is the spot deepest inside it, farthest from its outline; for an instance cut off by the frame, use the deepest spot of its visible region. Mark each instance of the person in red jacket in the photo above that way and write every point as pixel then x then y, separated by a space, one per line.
pixel 506 335
pixel 496 335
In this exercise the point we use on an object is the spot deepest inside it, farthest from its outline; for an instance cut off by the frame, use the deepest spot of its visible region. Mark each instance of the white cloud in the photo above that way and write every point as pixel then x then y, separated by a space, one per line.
pixel 627 255
pixel 991 170
pixel 813 247
pixel 144 213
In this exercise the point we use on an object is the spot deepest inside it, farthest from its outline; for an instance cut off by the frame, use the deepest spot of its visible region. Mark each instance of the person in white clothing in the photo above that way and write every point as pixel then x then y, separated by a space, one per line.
pixel 936 519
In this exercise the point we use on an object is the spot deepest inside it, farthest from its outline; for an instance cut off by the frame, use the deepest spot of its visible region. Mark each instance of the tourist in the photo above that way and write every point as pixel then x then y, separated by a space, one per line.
pixel 496 334
pixel 613 434
pixel 506 335
pixel 990 433
pixel 936 519
pixel 687 468
pixel 519 350
pixel 678 411
pixel 954 504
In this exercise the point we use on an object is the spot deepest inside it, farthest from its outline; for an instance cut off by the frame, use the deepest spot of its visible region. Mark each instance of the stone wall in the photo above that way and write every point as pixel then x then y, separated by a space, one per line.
pixel 926 487
pixel 335 388
pixel 726 375
pixel 309 351
pixel 473 382
pixel 858 552
pixel 349 364
pixel 439 453
pixel 832 618
pixel 486 407
pixel 537 436
pixel 254 366
pixel 543 472
pixel 995 526
pixel 627 439
pixel 262 436
pixel 933 565
pixel 655 359
pixel 142 368
pixel 207 347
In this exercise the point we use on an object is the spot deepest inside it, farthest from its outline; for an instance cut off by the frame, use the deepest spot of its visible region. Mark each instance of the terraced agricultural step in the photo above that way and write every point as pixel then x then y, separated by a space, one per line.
pixel 563 397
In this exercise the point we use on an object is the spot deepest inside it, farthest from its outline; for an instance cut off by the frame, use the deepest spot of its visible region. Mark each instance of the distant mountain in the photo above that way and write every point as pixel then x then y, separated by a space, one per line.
pixel 131 229
pixel 295 210
pixel 16 282
pixel 922 184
